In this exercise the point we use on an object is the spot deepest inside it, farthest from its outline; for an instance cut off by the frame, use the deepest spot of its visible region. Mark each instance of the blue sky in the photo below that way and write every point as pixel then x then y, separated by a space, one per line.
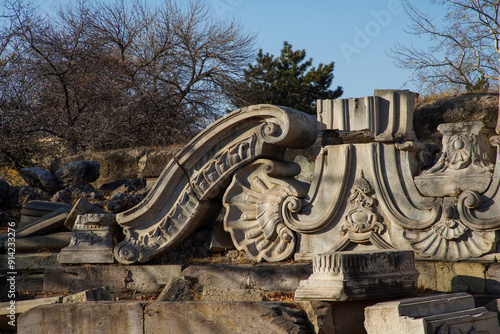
pixel 355 34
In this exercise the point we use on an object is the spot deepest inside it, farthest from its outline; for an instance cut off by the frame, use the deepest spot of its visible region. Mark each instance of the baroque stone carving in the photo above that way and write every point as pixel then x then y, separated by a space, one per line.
pixel 92 240
pixel 185 195
pixel 362 221
pixel 374 186
pixel 254 203
pixel 450 239
pixel 465 164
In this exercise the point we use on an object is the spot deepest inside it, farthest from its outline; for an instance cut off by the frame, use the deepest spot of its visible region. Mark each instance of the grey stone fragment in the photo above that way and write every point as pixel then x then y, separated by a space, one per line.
pixel 125 185
pixel 447 313
pixel 25 305
pixel 30 261
pixel 43 224
pixel 342 276
pixel 181 289
pixel 84 318
pixel 120 202
pixel 139 278
pixel 281 277
pixel 224 317
pixel 81 207
pixel 54 241
pixel 40 178
pixel 77 173
pixel 36 209
pixel 92 240
pixel 224 294
pixel 21 195
pixel 97 294
pixel 219 240
pixel 74 192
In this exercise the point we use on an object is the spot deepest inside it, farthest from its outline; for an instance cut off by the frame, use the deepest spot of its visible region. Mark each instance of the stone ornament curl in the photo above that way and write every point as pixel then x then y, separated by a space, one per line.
pixel 254 202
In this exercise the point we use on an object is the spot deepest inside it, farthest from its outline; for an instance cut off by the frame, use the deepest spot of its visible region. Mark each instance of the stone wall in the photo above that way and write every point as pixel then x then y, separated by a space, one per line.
pixel 124 164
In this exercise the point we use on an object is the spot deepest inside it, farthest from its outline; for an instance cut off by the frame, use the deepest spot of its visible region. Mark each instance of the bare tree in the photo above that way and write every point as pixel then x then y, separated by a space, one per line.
pixel 465 50
pixel 109 75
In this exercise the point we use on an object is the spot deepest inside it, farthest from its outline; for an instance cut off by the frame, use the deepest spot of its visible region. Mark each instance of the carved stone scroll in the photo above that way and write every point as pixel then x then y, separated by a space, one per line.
pixel 183 195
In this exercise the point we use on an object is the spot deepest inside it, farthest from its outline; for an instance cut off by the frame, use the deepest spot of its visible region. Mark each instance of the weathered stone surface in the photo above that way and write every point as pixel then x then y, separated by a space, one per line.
pixel 120 202
pixel 212 293
pixel 81 207
pixel 185 193
pixel 342 276
pixel 30 261
pixel 219 239
pixel 139 278
pixel 466 163
pixel 71 194
pixel 92 240
pixel 373 113
pixel 181 289
pixel 492 276
pixel 125 164
pixel 97 294
pixel 453 277
pixel 21 195
pixel 454 313
pixel 11 312
pixel 54 241
pixel 125 186
pixel 281 277
pixel 77 173
pixel 43 224
pixel 36 209
pixel 84 318
pixel 223 317
pixel 40 178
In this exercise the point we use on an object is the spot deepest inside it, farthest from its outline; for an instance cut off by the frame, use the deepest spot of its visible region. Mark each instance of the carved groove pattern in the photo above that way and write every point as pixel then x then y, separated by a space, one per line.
pixel 141 248
pixel 350 263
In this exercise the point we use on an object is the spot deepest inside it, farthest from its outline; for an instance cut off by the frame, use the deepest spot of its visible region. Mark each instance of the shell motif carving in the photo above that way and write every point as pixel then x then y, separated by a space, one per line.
pixel 450 239
pixel 254 204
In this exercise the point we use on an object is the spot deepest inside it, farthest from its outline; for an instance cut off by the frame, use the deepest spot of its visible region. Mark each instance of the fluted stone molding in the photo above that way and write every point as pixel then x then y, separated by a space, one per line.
pixel 346 276
pixel 183 196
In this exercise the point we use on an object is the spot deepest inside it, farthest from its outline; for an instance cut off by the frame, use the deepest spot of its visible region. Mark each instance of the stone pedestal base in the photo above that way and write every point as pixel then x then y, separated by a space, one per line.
pixel 92 240
pixel 343 276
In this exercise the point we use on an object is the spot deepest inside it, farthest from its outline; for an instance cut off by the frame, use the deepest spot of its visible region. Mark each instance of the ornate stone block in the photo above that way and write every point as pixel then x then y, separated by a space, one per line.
pixel 345 276
pixel 92 240
pixel 466 162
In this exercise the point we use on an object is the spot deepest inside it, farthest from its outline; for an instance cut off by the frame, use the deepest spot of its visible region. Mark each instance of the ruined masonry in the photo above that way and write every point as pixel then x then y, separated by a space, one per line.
pixel 378 200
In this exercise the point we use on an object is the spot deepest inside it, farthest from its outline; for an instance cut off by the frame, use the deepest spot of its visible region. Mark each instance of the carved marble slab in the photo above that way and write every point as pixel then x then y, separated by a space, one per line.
pixel 186 193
